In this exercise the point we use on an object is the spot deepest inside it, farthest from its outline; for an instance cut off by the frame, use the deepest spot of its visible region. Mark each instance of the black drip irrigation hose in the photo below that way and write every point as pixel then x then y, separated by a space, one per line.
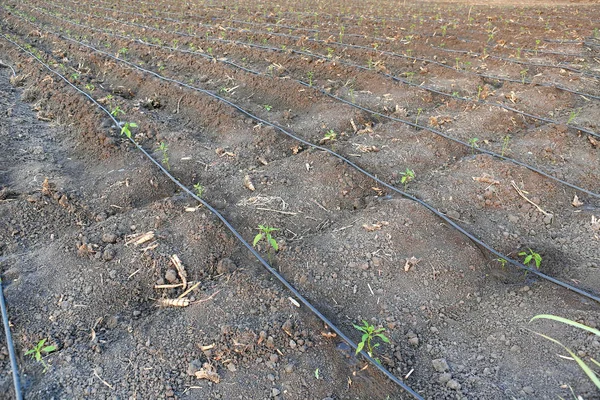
pixel 411 124
pixel 312 55
pixel 453 224
pixel 11 346
pixel 396 55
pixel 255 253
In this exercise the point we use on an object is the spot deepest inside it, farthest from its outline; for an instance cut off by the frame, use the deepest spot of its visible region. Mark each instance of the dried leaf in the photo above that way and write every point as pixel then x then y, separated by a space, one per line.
pixel 595 142
pixel 141 239
pixel 180 269
pixel 208 372
pixel 576 202
pixel 329 335
pixel 411 262
pixel 375 227
pixel 248 183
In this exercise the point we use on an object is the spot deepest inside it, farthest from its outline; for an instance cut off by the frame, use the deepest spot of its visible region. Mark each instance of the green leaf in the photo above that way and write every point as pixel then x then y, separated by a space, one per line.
pixel 273 243
pixel 364 337
pixel 360 347
pixel 527 260
pixel 567 321
pixel 257 239
pixel 588 371
pixel 133 125
pixel 38 356
pixel 383 337
pixel 31 351
pixel 49 349
pixel 523 253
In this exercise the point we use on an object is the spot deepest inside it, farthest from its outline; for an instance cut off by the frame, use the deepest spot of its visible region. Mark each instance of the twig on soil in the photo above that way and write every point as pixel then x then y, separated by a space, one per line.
pixel 102 380
pixel 130 276
pixel 189 289
pixel 168 286
pixel 207 298
pixel 141 239
pixel 277 211
pixel 2 64
pixel 514 185
pixel 178 103
pixel 320 206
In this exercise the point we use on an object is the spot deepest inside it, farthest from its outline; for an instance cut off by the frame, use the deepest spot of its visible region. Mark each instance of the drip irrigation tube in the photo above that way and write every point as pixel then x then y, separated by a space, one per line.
pixel 255 253
pixel 453 224
pixel 341 62
pixel 11 346
pixel 351 104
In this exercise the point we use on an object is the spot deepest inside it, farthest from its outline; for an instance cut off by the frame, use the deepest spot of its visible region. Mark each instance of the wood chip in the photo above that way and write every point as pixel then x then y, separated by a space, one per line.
pixel 486 179
pixel 294 302
pixel 173 302
pixel 248 183
pixel 595 142
pixel 576 202
pixel 141 239
pixel 410 262
pixel 375 227
pixel 208 372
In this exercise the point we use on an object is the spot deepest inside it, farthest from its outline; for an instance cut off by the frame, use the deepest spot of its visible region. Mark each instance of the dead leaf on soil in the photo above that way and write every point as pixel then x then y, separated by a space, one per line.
pixel 411 262
pixel 208 372
pixel 248 183
pixel 222 153
pixel 439 120
pixel 595 143
pixel 485 178
pixel 576 202
pixel 375 227
pixel 180 269
pixel 47 187
pixel 329 335
pixel 595 223
pixel 365 149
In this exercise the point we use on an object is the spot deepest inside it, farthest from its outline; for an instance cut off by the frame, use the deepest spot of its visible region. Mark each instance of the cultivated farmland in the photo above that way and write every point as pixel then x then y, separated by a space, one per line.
pixel 216 200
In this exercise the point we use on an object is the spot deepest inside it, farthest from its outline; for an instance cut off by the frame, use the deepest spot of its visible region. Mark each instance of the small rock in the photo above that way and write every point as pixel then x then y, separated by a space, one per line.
pixel 528 390
pixel 231 367
pixel 109 238
pixel 108 254
pixel 445 377
pixel 193 366
pixel 453 214
pixel 453 384
pixel 34 197
pixel 414 341
pixel 548 219
pixel 171 276
pixel 275 392
pixel 289 368
pixel 440 365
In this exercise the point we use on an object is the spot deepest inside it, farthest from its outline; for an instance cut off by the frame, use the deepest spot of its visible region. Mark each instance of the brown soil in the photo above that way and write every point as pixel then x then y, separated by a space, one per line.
pixel 74 193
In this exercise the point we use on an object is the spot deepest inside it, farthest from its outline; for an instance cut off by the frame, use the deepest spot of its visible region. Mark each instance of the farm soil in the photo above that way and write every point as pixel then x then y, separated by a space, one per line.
pixel 75 196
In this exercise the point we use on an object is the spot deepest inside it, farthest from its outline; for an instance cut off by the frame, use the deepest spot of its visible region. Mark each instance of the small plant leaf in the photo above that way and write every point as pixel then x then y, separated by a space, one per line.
pixel 360 346
pixel 48 349
pixel 273 243
pixel 567 321
pixel 383 337
pixel 365 337
pixel 257 239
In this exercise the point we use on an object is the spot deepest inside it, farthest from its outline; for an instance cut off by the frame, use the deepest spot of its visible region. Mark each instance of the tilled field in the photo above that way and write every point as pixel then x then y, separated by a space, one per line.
pixel 405 153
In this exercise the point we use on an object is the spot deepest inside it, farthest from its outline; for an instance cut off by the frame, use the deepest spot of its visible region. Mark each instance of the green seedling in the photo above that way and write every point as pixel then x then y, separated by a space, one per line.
pixel 519 52
pixel 473 144
pixel 574 114
pixel 370 333
pixel 75 76
pixel 210 51
pixel 267 107
pixel 310 76
pixel 317 376
pixel 199 189
pixel 330 136
pixel 457 59
pixel 531 256
pixel 479 90
pixel 90 88
pixel 123 51
pixel 523 75
pixel 352 95
pixel 419 111
pixel 444 28
pixel 164 148
pixel 592 375
pixel 116 111
pixel 329 52
pixel 266 233
pixel 342 29
pixel 407 176
pixel 161 68
pixel 502 262
pixel 39 351
pixel 126 129
pixel 505 142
